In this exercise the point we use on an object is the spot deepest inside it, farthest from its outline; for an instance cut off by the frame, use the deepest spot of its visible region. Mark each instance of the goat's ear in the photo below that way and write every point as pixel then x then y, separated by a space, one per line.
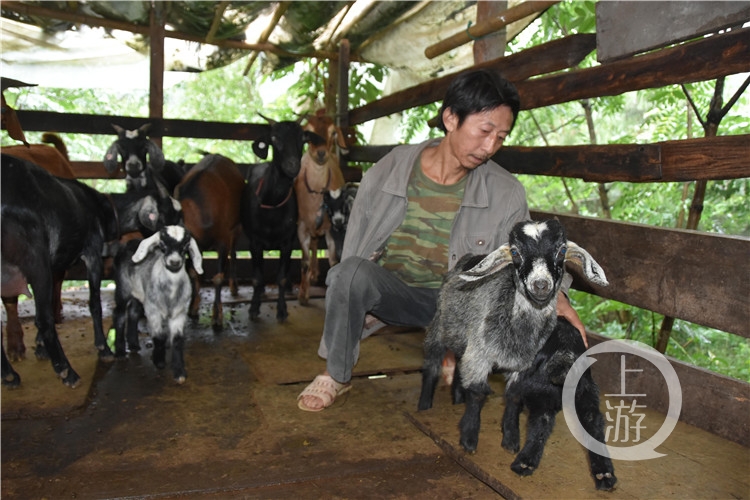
pixel 260 147
pixel 145 247
pixel 590 267
pixel 341 141
pixel 110 159
pixel 493 263
pixel 148 213
pixel 155 155
pixel 195 256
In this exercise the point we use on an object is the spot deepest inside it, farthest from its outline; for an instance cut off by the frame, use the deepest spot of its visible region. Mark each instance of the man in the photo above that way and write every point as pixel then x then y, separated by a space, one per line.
pixel 417 211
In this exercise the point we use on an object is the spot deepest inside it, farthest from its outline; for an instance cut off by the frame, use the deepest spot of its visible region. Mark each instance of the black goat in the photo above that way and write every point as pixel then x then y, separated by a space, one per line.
pixel 269 207
pixel 495 312
pixel 540 389
pixel 338 205
pixel 48 223
pixel 140 155
pixel 151 280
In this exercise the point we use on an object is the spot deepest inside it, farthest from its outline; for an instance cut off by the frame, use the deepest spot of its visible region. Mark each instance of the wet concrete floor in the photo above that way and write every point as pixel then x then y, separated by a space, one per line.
pixel 233 430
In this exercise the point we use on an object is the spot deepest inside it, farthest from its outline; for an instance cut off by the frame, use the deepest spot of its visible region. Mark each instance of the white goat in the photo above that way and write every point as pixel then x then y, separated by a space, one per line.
pixel 152 281
pixel 495 312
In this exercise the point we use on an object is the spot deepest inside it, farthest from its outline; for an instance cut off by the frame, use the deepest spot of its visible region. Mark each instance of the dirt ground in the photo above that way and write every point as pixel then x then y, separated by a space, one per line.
pixel 233 430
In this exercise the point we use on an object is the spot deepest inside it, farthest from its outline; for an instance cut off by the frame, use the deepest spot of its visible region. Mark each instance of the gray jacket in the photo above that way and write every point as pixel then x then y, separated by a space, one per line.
pixel 494 200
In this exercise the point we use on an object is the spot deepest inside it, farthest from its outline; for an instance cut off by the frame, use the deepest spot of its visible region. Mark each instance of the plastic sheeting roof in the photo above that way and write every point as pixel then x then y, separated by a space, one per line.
pixel 57 52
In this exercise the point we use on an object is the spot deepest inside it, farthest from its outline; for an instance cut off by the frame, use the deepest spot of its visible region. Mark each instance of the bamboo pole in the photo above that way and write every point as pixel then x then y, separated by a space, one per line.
pixel 481 29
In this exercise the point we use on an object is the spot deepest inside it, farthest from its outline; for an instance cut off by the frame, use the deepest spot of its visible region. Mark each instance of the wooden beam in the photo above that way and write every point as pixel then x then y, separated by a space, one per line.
pixel 481 29
pixel 545 58
pixel 694 276
pixel 34 10
pixel 710 158
pixel 705 59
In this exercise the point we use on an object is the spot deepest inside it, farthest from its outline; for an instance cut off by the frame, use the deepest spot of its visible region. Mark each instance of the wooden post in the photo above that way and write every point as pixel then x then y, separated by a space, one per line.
pixel 342 112
pixel 491 46
pixel 156 82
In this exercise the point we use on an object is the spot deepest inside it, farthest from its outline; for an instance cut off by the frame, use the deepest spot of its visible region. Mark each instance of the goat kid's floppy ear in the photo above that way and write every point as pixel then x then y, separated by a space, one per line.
pixel 110 159
pixel 195 256
pixel 493 263
pixel 155 155
pixel 590 267
pixel 148 213
pixel 145 247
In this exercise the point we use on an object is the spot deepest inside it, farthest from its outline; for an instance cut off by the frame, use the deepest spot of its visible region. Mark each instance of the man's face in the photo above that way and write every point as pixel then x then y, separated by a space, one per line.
pixel 480 136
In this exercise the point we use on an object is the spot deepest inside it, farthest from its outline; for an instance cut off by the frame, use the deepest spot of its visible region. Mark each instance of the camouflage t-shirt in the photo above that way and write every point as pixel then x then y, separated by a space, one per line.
pixel 417 252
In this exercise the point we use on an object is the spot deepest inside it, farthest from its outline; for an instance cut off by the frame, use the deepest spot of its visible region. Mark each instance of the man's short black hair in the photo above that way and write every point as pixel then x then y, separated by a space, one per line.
pixel 477 91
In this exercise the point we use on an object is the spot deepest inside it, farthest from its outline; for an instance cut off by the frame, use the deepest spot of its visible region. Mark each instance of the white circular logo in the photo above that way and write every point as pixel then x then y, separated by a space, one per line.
pixel 646 449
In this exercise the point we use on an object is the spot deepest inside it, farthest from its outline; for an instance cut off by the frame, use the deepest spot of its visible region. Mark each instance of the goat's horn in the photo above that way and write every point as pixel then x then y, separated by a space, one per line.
pixel 270 121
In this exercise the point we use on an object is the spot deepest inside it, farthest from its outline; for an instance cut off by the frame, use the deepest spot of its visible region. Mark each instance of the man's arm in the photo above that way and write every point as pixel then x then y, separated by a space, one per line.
pixel 565 310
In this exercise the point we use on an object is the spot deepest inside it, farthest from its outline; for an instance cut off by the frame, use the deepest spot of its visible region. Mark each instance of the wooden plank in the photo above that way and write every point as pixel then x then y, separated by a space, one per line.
pixel 728 398
pixel 698 277
pixel 705 59
pixel 617 162
pixel 710 158
pixel 78 123
pixel 545 58
pixel 627 28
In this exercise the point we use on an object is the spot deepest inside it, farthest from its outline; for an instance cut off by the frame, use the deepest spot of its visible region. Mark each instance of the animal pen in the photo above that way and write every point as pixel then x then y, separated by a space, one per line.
pixel 233 430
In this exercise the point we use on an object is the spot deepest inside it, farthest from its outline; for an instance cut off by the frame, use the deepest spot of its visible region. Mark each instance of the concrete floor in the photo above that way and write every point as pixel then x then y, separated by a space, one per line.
pixel 233 429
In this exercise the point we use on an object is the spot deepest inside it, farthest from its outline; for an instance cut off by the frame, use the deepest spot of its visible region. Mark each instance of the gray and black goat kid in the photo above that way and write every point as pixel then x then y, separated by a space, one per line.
pixel 495 312
pixel 151 280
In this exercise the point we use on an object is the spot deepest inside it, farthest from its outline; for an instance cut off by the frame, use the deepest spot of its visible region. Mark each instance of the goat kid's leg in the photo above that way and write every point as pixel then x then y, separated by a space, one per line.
pixel 14 330
pixel 217 315
pixel 94 266
pixel 159 354
pixel 539 427
pixel 431 368
pixel 458 393
pixel 476 395
pixel 178 358
pixel 511 415
pixel 233 261
pixel 120 323
pixel 135 313
pixel 587 408
pixel 57 280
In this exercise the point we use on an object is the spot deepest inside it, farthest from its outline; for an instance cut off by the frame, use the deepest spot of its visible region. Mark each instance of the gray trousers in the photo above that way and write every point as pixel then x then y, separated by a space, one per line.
pixel 359 286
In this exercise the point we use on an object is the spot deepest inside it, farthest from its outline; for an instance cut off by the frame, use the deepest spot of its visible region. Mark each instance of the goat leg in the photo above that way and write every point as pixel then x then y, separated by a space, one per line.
pixel 14 330
pixel 135 313
pixel 159 354
pixel 120 321
pixel 539 428
pixel 458 393
pixel 433 355
pixel 476 395
pixel 9 376
pixel 587 408
pixel 513 408
pixel 178 358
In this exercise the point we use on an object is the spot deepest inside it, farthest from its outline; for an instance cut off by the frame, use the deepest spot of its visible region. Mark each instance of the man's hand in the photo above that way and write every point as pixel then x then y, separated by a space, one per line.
pixel 565 310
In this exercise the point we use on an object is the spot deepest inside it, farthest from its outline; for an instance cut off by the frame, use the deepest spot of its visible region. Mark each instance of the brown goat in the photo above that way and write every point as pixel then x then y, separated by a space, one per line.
pixel 319 173
pixel 210 195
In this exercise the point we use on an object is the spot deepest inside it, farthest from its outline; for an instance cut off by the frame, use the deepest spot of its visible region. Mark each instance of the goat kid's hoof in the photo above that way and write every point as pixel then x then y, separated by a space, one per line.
pixel 521 468
pixel 180 379
pixel 605 481
pixel 511 445
pixel 469 445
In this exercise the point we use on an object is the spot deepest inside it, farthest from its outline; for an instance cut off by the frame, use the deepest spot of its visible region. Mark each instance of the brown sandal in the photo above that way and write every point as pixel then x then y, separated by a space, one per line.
pixel 326 389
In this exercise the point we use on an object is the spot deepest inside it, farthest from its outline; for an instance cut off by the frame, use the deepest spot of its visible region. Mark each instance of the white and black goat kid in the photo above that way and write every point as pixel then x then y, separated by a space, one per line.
pixel 495 312
pixel 152 280
pixel 540 390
